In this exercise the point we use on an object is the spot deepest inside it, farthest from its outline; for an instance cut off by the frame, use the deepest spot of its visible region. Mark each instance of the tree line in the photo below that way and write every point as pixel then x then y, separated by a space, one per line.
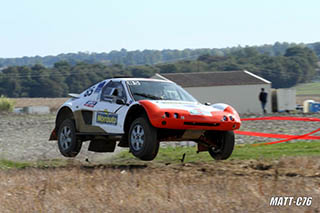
pixel 150 57
pixel 296 65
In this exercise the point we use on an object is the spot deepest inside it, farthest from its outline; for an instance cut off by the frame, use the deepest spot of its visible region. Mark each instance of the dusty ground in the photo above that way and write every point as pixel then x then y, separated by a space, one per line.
pixel 228 186
pixel 25 137
pixel 277 127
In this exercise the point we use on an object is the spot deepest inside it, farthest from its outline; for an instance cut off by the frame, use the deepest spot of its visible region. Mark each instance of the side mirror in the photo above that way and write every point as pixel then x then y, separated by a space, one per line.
pixel 120 101
pixel 114 92
pixel 207 103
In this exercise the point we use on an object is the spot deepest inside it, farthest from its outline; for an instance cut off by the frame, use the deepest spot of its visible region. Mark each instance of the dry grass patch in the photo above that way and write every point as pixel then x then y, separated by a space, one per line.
pixel 236 186
pixel 52 103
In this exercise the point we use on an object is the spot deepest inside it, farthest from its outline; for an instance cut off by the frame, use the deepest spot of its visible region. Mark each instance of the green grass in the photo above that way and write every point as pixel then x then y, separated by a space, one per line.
pixel 173 155
pixel 241 152
pixel 8 164
pixel 275 151
pixel 309 89
pixel 6 105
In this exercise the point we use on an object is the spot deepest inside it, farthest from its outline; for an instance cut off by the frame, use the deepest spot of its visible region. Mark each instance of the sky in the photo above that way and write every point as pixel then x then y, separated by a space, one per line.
pixel 52 27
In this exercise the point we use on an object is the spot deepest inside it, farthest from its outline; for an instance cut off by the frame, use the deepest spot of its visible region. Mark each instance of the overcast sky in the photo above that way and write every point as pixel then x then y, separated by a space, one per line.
pixel 43 27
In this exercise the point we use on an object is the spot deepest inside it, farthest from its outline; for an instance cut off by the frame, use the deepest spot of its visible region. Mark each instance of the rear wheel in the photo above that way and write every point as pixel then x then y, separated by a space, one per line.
pixel 142 139
pixel 69 145
pixel 224 144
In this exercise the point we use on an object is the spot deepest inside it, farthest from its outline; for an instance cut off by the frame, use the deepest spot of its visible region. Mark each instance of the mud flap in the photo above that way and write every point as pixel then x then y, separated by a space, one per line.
pixel 102 146
pixel 124 141
pixel 202 148
pixel 53 136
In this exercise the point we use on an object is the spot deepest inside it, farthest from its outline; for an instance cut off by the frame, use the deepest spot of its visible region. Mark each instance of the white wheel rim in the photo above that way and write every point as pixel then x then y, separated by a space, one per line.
pixel 65 138
pixel 137 137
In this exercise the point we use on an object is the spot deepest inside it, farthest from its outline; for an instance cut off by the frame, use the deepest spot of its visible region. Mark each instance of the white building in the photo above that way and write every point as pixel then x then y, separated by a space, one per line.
pixel 284 99
pixel 240 89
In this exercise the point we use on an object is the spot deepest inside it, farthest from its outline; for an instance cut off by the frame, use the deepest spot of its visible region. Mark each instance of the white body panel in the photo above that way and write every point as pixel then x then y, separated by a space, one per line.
pixel 90 100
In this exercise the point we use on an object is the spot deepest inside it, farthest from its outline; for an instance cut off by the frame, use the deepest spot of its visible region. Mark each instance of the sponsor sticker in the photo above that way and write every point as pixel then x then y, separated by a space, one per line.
pixel 99 87
pixel 169 102
pixel 199 112
pixel 195 112
pixel 190 106
pixel 133 83
pixel 89 92
pixel 90 104
pixel 107 118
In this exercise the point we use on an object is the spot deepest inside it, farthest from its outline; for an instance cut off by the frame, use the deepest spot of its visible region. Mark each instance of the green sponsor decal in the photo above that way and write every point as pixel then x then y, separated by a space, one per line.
pixel 107 118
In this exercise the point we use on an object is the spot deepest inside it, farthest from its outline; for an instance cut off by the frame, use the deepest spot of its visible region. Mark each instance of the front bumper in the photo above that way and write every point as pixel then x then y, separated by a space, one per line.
pixel 182 119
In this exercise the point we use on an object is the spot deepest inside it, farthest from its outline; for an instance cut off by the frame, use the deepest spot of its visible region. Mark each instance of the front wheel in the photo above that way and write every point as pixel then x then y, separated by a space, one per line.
pixel 224 144
pixel 69 145
pixel 142 139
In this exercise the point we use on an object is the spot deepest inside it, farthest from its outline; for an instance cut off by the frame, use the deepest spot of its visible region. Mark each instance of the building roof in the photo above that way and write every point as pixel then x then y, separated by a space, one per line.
pixel 208 79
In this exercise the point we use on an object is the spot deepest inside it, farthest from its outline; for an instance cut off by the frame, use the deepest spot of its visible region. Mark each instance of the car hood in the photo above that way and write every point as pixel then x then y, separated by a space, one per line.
pixel 194 108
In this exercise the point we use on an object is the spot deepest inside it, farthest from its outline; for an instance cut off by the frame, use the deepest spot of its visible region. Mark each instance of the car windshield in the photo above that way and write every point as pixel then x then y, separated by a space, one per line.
pixel 157 90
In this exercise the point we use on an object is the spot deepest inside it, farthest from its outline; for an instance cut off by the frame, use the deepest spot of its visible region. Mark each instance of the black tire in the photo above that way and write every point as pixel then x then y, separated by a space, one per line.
pixel 69 145
pixel 224 141
pixel 142 139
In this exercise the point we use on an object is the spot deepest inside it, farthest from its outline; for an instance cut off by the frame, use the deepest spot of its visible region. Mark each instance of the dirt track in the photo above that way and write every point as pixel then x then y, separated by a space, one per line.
pixel 25 137
pixel 229 186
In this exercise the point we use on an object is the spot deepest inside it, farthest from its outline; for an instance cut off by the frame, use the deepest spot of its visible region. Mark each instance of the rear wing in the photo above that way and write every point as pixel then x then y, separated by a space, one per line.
pixel 74 95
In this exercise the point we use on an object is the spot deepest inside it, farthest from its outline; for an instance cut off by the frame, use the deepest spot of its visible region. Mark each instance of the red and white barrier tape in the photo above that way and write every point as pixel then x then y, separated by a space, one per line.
pixel 282 136
pixel 281 119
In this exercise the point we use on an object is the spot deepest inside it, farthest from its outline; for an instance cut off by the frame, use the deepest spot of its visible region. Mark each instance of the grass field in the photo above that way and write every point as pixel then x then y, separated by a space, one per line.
pixel 7 164
pixel 241 152
pixel 173 155
pixel 308 89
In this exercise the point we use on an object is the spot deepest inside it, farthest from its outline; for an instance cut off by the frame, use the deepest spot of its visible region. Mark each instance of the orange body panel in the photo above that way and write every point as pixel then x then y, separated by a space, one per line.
pixel 164 118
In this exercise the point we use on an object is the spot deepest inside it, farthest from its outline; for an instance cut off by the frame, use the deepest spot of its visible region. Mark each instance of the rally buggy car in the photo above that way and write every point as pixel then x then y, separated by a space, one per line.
pixel 139 113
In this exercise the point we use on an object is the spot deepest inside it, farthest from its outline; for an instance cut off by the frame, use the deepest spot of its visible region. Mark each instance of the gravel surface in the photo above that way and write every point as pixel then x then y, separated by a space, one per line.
pixel 25 137
pixel 276 127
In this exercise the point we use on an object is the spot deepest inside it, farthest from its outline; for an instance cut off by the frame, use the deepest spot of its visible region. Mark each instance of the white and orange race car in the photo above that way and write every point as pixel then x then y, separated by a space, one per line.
pixel 140 113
